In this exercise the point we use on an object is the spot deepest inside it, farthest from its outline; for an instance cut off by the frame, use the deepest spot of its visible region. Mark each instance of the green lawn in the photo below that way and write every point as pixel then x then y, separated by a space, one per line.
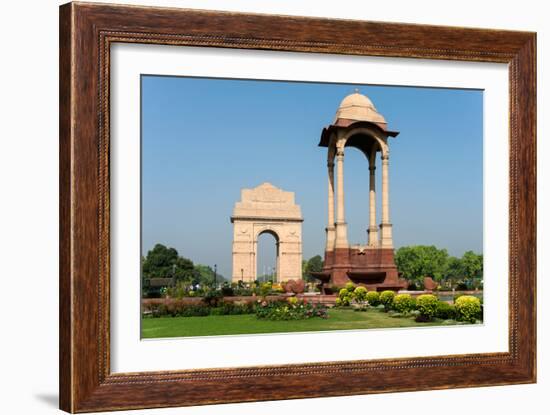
pixel 249 324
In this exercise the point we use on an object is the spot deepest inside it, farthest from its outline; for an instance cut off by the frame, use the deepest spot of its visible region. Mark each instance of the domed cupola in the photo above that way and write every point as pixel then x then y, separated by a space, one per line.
pixel 358 107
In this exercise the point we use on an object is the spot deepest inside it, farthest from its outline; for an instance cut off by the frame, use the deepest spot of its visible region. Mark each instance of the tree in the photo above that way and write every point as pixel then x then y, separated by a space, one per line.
pixel 164 262
pixel 314 264
pixel 206 275
pixel 455 268
pixel 454 272
pixel 472 265
pixel 417 262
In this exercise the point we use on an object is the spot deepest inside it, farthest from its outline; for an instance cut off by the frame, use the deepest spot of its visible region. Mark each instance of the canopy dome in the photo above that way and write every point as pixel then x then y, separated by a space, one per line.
pixel 358 107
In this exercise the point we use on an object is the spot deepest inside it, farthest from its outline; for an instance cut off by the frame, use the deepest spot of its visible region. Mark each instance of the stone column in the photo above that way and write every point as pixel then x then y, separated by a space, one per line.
pixel 341 226
pixel 385 226
pixel 373 229
pixel 330 225
pixel 278 274
pixel 254 262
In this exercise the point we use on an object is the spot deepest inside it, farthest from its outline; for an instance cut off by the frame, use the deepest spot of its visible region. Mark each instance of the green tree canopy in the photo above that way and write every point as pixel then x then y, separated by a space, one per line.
pixel 164 262
pixel 419 261
pixel 206 275
pixel 472 265
pixel 455 269
pixel 314 264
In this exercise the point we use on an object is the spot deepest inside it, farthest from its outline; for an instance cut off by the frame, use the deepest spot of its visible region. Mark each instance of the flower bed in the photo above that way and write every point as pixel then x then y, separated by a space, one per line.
pixel 270 307
pixel 179 308
pixel 292 309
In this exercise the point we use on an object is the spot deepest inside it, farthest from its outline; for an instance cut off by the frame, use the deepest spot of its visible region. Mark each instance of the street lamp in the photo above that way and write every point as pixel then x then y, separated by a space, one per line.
pixel 215 275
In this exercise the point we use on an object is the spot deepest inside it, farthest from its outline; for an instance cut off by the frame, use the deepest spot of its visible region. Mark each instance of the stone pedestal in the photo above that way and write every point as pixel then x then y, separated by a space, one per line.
pixel 373 268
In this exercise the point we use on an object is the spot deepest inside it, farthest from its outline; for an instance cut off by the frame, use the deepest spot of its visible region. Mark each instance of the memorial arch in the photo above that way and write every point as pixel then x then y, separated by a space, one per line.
pixel 267 209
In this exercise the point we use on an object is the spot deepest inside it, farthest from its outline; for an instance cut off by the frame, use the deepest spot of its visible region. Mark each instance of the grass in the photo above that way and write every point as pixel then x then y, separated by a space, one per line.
pixel 248 324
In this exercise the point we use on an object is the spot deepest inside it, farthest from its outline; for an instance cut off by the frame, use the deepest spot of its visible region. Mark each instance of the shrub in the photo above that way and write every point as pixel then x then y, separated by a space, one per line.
pixel 345 298
pixel 277 288
pixel 386 298
pixel 179 291
pixel 194 311
pixel 154 310
pixel 292 300
pixel 403 303
pixel 445 311
pixel 468 308
pixel 228 291
pixel 373 298
pixel 265 288
pixel 350 286
pixel 212 298
pixel 233 309
pixel 179 309
pixel 360 294
pixel 182 309
pixel 242 291
pixel 427 305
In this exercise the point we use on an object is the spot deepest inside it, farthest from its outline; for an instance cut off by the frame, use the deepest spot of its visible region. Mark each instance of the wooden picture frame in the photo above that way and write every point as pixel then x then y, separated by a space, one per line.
pixel 86 33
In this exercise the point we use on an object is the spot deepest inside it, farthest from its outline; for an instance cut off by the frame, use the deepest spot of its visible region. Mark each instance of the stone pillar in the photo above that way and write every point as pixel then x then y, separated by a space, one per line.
pixel 341 226
pixel 373 229
pixel 278 262
pixel 385 226
pixel 330 224
pixel 254 262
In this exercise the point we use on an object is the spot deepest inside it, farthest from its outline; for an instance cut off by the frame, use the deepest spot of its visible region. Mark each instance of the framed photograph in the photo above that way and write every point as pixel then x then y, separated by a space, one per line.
pixel 258 207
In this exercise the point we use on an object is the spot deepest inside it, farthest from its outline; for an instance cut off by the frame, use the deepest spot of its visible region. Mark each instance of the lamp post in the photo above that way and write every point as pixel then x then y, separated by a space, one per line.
pixel 215 275
pixel 174 274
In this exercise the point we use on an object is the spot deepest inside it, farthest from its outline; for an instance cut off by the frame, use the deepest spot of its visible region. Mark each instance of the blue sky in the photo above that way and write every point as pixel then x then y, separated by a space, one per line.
pixel 205 139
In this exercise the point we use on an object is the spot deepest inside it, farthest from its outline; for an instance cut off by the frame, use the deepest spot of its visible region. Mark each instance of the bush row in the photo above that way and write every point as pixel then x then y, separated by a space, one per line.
pixel 426 306
pixel 180 309
pixel 291 309
pixel 241 289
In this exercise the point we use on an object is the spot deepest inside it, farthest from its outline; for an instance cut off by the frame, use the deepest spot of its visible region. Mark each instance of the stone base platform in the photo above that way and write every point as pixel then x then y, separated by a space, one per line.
pixel 373 268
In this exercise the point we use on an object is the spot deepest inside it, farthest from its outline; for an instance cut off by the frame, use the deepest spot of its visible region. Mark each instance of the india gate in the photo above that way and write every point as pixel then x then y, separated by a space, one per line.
pixel 267 209
pixel 358 124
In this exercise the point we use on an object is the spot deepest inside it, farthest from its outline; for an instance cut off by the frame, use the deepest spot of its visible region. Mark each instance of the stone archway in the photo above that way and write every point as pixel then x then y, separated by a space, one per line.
pixel 267 209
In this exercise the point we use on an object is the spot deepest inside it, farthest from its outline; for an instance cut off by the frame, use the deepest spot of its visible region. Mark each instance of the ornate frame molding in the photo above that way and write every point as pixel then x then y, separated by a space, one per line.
pixel 86 33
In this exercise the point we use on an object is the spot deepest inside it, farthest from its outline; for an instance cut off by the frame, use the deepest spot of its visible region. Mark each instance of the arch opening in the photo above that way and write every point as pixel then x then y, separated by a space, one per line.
pixel 267 256
pixel 365 143
pixel 356 195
